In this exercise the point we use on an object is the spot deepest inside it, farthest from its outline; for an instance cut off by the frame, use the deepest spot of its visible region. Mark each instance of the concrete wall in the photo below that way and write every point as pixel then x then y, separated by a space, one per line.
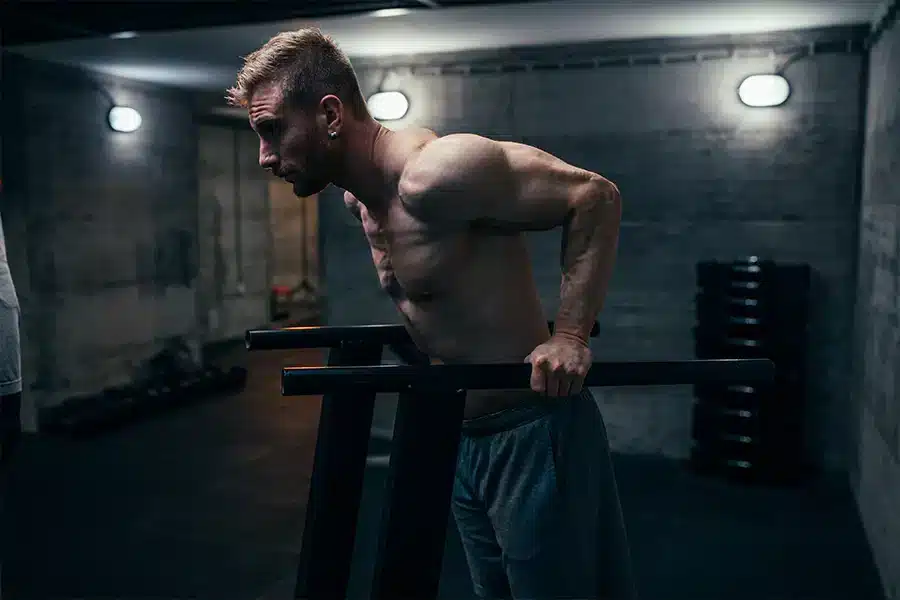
pixel 234 233
pixel 294 225
pixel 702 177
pixel 876 474
pixel 100 225
pixel 120 241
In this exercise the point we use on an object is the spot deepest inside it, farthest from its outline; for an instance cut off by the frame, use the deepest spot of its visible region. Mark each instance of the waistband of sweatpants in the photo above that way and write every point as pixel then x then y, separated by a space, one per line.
pixel 535 407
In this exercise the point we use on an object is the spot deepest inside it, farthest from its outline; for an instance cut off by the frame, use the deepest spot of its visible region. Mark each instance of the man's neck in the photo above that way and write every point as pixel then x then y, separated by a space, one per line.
pixel 364 173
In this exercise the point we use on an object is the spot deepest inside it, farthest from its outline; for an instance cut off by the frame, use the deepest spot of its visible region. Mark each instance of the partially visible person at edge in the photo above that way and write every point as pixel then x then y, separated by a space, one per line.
pixel 535 497
pixel 10 381
pixel 10 359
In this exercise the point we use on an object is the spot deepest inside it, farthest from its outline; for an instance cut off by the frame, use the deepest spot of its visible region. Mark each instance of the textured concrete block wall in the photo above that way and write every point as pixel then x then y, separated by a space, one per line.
pixel 702 177
pixel 234 234
pixel 876 473
pixel 100 225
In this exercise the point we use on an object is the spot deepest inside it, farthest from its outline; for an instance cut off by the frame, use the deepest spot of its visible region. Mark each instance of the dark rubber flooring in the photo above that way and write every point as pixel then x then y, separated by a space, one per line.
pixel 208 502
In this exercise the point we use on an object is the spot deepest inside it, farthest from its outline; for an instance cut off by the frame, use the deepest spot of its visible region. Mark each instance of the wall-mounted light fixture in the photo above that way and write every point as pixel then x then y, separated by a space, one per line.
pixel 764 90
pixel 124 119
pixel 388 106
pixel 390 12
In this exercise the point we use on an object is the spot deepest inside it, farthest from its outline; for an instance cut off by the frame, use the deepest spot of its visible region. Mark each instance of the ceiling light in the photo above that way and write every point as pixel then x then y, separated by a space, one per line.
pixel 390 12
pixel 123 35
pixel 124 119
pixel 764 90
pixel 388 106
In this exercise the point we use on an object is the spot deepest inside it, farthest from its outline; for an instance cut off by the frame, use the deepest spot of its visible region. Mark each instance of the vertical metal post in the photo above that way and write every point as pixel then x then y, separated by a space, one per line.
pixel 417 504
pixel 337 481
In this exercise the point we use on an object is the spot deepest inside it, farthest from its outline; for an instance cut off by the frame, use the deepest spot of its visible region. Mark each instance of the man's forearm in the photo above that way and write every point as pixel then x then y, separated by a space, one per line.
pixel 589 244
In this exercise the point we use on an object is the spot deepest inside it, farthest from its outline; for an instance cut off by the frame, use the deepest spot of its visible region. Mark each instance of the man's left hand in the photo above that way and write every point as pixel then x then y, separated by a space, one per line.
pixel 559 366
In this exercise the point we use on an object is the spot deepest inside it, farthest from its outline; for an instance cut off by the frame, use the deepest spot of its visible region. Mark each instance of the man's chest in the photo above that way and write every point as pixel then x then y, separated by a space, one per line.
pixel 424 258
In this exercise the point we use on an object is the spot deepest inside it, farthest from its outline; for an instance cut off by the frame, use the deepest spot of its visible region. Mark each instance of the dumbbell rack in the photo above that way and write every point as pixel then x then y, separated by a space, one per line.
pixel 752 308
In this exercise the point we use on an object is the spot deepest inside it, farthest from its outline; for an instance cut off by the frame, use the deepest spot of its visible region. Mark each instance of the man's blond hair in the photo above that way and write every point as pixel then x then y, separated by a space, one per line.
pixel 307 64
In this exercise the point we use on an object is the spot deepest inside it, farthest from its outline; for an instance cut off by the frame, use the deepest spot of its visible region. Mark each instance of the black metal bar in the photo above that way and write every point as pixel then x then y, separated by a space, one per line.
pixel 418 491
pixel 337 480
pixel 299 381
pixel 290 338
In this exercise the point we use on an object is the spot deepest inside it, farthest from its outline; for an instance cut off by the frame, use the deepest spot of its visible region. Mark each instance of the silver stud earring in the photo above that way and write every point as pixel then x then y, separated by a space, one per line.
pixel 332 135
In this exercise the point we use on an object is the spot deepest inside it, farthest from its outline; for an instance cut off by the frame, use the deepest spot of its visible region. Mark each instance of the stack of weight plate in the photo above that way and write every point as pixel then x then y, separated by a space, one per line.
pixel 752 308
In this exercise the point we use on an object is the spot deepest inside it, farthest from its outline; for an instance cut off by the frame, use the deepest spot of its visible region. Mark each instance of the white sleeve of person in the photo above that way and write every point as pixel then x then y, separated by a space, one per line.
pixel 10 347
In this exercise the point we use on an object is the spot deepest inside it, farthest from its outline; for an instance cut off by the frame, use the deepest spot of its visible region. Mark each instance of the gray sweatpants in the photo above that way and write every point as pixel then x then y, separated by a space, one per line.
pixel 537 507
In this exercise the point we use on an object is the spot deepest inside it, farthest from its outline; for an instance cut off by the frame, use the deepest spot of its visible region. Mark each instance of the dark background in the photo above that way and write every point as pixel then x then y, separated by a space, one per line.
pixel 119 242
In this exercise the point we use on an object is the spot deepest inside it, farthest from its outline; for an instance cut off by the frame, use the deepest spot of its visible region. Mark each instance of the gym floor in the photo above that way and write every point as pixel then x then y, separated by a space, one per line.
pixel 208 502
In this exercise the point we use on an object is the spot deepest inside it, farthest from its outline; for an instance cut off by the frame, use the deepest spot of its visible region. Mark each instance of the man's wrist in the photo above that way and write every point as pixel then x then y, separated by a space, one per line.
pixel 568 334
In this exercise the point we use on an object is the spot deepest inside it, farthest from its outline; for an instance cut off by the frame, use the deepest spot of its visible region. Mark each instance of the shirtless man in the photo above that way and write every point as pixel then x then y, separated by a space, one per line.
pixel 535 498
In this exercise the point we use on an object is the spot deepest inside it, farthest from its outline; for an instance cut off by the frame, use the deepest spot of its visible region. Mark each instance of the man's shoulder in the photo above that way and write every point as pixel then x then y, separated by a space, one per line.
pixel 449 161
pixel 408 144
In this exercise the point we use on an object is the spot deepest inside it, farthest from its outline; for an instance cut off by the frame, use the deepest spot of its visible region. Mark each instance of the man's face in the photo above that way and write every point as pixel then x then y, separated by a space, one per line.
pixel 292 142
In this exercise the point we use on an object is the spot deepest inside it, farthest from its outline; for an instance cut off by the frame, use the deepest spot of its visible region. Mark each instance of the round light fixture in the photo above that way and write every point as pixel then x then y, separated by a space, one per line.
pixel 388 106
pixel 124 119
pixel 390 12
pixel 764 90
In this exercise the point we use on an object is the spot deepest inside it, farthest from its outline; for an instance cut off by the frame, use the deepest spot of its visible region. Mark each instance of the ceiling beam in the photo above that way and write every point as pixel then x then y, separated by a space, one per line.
pixel 27 23
pixel 38 22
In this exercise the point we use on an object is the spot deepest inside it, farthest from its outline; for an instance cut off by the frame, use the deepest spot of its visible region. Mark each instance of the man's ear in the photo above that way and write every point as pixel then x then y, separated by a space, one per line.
pixel 331 109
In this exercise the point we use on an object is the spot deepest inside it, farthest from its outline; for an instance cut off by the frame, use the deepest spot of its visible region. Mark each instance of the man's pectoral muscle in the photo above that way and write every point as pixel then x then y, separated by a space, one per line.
pixel 378 245
pixel 387 279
